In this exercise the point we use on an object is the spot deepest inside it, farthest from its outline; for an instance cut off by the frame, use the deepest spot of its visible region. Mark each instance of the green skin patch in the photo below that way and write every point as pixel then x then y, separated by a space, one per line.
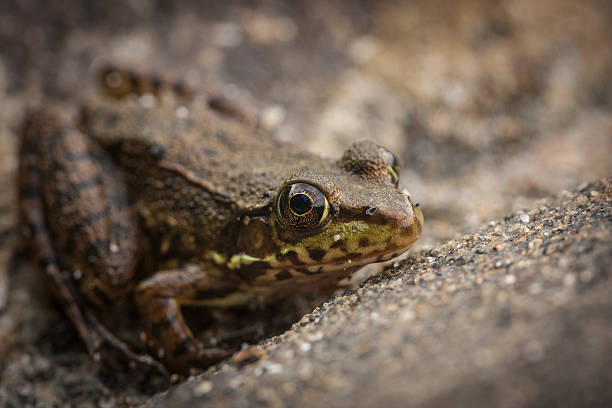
pixel 394 175
pixel 351 236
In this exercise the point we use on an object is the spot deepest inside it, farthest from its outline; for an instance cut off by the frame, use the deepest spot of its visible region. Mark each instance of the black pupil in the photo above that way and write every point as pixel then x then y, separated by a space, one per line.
pixel 300 203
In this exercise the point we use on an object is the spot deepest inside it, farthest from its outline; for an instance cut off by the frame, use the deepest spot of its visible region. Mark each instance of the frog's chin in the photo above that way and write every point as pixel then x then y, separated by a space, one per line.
pixel 319 274
pixel 348 263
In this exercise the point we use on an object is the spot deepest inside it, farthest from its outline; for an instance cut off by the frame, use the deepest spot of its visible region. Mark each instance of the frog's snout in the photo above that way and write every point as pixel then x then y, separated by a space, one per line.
pixel 402 220
pixel 405 217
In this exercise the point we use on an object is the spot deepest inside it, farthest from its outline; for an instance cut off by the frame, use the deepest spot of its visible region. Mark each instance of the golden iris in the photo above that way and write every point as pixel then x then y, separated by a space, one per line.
pixel 302 205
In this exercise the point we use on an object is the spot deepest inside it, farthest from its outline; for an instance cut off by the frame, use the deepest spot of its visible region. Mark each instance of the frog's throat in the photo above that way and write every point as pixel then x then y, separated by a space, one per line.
pixel 351 244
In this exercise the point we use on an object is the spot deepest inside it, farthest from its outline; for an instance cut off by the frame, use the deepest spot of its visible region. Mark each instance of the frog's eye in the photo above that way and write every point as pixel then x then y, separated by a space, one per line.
pixel 301 205
pixel 393 165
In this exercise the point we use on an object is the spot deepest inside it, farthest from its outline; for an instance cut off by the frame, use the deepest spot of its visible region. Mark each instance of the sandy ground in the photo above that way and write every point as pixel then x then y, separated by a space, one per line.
pixel 492 105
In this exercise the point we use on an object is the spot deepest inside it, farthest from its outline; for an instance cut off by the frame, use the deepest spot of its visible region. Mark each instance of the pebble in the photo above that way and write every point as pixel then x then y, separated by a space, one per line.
pixel 509 279
pixel 203 388
pixel 305 347
pixel 226 35
pixel 407 315
pixel 569 279
pixel 182 112
pixel 147 101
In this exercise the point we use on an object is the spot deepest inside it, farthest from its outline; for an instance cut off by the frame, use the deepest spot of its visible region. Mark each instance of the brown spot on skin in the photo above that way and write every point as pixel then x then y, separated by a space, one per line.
pixel 339 244
pixel 342 258
pixel 363 242
pixel 316 253
pixel 217 293
pixel 353 255
pixel 293 257
pixel 283 275
pixel 259 265
pixel 251 272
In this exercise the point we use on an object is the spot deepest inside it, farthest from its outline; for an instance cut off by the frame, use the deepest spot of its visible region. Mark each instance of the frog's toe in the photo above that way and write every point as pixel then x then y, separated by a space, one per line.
pixel 197 357
pixel 104 336
pixel 208 356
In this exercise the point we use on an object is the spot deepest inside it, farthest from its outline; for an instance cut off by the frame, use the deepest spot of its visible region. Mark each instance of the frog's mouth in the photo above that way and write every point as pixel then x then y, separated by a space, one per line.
pixel 336 268
pixel 345 263
pixel 337 250
pixel 355 242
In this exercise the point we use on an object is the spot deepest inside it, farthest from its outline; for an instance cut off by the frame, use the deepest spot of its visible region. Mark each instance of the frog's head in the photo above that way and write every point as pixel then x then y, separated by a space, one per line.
pixel 333 218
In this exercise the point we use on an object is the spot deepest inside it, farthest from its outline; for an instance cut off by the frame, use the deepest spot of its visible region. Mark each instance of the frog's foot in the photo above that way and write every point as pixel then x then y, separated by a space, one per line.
pixel 199 356
pixel 103 336
pixel 238 334
pixel 159 299
pixel 119 83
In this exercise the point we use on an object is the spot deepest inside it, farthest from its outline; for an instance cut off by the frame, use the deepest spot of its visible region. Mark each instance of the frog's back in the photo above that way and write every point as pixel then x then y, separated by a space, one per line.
pixel 233 158
pixel 192 165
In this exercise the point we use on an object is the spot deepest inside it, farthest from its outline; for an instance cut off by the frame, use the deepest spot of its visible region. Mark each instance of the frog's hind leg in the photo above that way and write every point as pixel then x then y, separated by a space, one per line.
pixel 119 83
pixel 31 212
pixel 74 203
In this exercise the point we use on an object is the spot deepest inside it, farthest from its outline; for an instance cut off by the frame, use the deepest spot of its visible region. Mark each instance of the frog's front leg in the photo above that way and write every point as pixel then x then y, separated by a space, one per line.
pixel 159 300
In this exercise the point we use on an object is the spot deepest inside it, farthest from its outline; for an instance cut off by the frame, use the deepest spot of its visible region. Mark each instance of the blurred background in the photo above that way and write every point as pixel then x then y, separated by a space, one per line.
pixel 491 105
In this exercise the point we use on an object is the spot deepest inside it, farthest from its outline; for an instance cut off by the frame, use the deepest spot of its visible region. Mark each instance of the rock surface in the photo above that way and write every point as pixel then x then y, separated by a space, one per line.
pixel 491 105
pixel 517 314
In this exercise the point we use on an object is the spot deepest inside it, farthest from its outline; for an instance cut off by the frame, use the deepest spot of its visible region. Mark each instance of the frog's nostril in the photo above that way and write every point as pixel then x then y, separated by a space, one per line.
pixel 371 210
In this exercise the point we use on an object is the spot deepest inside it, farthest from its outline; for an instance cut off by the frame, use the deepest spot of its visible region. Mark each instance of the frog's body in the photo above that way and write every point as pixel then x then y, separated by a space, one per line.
pixel 217 213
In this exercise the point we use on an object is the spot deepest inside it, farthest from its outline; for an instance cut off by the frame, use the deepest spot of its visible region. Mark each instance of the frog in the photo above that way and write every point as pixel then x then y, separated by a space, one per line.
pixel 164 197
